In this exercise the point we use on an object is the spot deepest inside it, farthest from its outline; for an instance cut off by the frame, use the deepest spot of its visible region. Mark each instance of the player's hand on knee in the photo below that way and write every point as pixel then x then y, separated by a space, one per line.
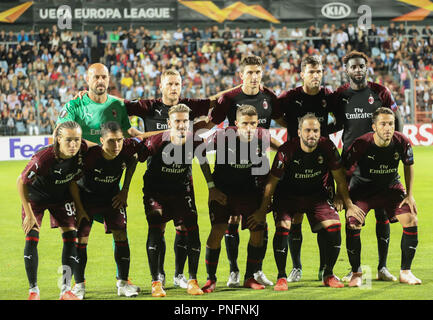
pixel 216 195
pixel 256 219
pixel 410 201
pixel 30 223
pixel 82 214
pixel 120 200
pixel 356 213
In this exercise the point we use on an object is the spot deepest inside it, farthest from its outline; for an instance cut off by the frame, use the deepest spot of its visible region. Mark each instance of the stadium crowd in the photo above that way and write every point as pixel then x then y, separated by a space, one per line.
pixel 42 70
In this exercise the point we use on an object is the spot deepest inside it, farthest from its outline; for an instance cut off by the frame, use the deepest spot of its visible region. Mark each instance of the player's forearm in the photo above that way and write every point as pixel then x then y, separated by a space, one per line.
pixel 268 192
pixel 408 178
pixel 398 121
pixel 148 134
pixel 219 94
pixel 342 189
pixel 75 193
pixel 23 192
pixel 133 132
pixel 130 169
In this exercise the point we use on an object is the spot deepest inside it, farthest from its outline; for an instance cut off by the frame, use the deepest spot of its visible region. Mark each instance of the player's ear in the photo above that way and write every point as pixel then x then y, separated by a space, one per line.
pixel 101 140
pixel 236 123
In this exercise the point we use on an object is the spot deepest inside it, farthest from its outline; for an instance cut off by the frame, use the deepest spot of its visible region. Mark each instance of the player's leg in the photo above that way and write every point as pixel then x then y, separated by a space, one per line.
pixel 295 244
pixel 180 255
pixel 69 261
pixel 383 232
pixel 232 243
pixel 83 233
pixel 260 275
pixel 409 242
pixel 254 258
pixel 280 245
pixel 353 247
pixel 213 249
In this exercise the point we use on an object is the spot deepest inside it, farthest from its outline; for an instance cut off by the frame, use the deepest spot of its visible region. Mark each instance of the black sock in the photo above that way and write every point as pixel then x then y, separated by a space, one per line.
pixel 321 242
pixel 153 247
pixel 253 261
pixel 353 245
pixel 194 245
pixel 31 257
pixel 332 234
pixel 212 257
pixel 69 256
pixel 281 246
pixel 180 251
pixel 232 246
pixel 295 243
pixel 383 232
pixel 264 247
pixel 161 255
pixel 82 261
pixel 122 258
pixel 409 242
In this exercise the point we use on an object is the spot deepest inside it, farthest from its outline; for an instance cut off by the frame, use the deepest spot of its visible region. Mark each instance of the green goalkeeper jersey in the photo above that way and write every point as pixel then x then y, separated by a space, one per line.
pixel 90 115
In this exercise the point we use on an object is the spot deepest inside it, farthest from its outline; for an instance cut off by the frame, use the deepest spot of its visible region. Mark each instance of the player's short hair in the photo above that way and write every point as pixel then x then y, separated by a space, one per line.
pixel 110 126
pixel 246 110
pixel 182 108
pixel 312 60
pixel 381 110
pixel 58 133
pixel 250 60
pixel 170 72
pixel 353 55
pixel 308 116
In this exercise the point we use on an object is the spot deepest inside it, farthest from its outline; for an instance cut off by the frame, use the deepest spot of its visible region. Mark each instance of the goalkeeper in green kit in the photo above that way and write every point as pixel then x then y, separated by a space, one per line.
pixel 95 108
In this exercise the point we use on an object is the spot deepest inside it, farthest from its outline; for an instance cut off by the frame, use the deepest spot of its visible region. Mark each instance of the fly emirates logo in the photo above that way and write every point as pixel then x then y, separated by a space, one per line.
pixel 359 114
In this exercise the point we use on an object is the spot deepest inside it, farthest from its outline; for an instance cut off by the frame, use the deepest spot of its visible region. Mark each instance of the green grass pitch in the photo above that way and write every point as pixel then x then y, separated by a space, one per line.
pixel 100 273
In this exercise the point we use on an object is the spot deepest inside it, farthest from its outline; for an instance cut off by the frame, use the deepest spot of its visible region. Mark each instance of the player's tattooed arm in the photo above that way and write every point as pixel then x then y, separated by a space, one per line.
pixel 121 199
pixel 343 191
pixel 75 193
pixel 409 199
pixel 259 216
pixel 29 221
pixel 398 121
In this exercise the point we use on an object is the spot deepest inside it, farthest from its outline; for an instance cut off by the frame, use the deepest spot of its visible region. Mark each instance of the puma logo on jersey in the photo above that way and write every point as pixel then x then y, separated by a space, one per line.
pixel 299 102
pixel 345 100
pixel 297 161
pixel 371 157
pixel 98 170
pixel 90 115
pixel 159 111
pixel 58 171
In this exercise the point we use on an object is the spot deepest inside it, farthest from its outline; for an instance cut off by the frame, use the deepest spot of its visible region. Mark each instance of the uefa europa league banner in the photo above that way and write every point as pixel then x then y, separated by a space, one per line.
pixel 187 11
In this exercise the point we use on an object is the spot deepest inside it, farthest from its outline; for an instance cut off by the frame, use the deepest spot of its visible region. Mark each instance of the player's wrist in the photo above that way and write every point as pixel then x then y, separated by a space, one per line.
pixel 211 185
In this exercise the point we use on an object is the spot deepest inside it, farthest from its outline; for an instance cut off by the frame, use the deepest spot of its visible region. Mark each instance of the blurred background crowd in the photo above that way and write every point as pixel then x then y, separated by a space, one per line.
pixel 41 70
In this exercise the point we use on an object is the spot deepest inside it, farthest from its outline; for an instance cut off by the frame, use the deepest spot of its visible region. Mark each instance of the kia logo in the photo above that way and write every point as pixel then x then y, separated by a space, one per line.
pixel 336 10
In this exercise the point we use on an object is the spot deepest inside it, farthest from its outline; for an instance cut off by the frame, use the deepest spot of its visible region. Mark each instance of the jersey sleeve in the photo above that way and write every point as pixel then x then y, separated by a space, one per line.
pixel 407 153
pixel 387 99
pixel 279 163
pixel 68 112
pixel 199 107
pixel 139 107
pixel 219 112
pixel 334 158
pixel 37 166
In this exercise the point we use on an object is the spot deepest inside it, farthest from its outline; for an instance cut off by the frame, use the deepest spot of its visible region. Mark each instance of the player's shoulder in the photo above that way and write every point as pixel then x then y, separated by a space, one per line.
pixel 343 88
pixel 326 143
pixel 45 156
pixel 326 91
pixel 365 140
pixel 114 101
pixel 73 104
pixel 400 138
pixel 377 87
pixel 268 91
pixel 232 93
pixel 290 146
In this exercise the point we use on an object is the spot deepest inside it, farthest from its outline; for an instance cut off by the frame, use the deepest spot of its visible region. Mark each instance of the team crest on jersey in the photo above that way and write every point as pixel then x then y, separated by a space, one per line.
pixel 114 111
pixel 370 99
pixel 123 166
pixel 324 103
pixel 320 159
pixel 265 104
pixel 63 113
pixel 396 156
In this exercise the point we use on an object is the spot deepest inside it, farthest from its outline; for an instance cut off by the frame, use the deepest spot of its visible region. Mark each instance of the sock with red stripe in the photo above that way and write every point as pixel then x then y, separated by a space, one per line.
pixel 383 232
pixel 212 257
pixel 31 258
pixel 295 243
pixel 194 245
pixel 353 246
pixel 253 261
pixel 281 246
pixel 69 256
pixel 409 242
pixel 153 247
pixel 180 251
pixel 82 261
pixel 122 258
pixel 332 236
pixel 232 246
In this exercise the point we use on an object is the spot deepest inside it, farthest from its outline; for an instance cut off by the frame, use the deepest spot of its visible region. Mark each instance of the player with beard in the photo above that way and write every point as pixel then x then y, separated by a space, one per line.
pixel 299 182
pixel 354 104
pixel 235 189
pixel 169 195
pixel 267 106
pixel 376 184
pixel 45 185
pixel 311 97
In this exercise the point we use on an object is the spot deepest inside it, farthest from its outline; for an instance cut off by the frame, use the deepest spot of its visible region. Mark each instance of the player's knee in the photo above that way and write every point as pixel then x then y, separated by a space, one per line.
pixel 83 240
pixel 408 220
pixel 256 238
pixel 353 224
pixel 234 219
pixel 297 219
pixel 216 234
pixel 283 224
pixel 180 227
pixel 119 235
